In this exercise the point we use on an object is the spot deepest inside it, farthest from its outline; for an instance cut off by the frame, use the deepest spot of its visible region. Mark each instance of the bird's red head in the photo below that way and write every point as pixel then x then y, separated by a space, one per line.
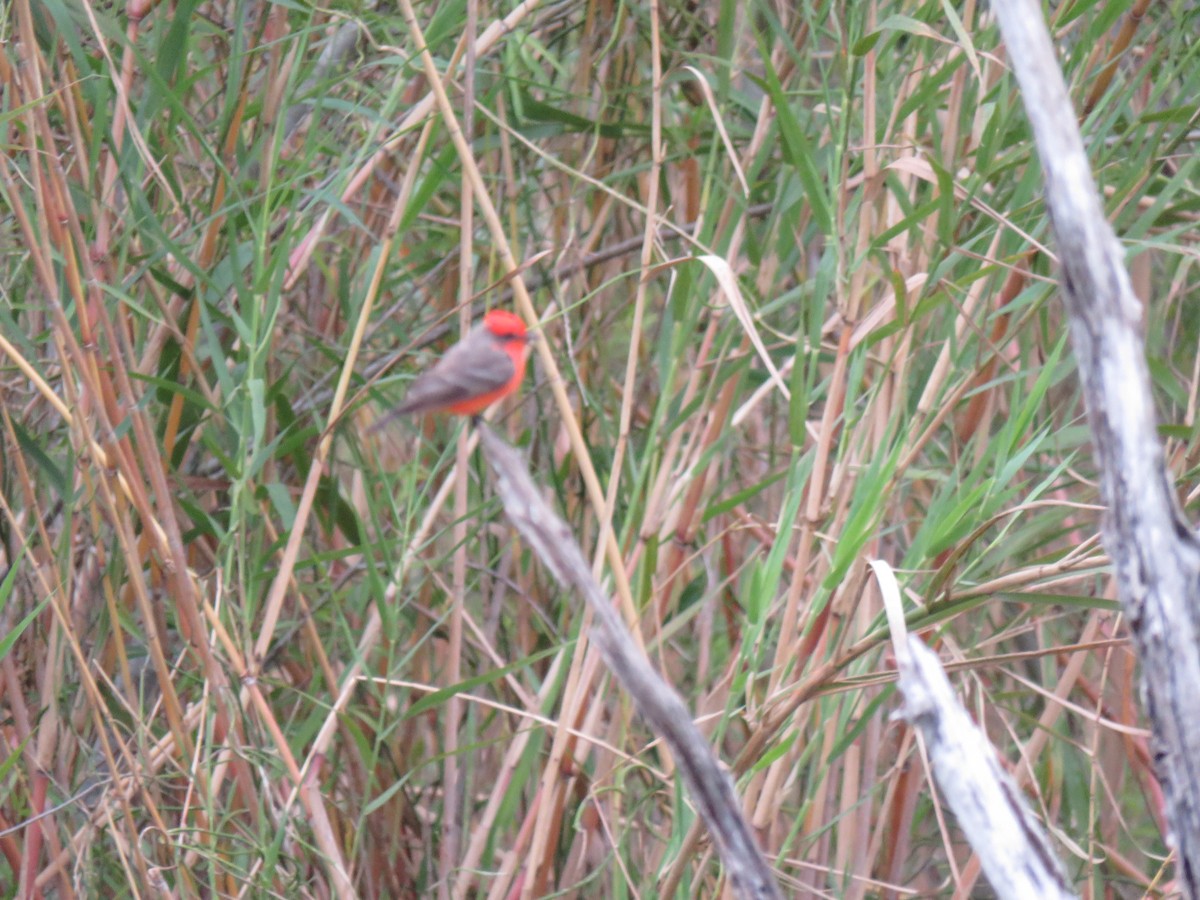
pixel 506 325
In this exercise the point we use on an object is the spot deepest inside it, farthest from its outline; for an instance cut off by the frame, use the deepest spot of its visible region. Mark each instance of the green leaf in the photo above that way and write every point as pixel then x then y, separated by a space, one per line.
pixel 54 474
pixel 866 43
pixel 439 697
pixel 798 150
pixel 6 588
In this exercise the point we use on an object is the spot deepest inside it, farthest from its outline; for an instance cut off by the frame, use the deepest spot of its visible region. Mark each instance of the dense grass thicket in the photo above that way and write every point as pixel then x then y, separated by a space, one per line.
pixel 794 285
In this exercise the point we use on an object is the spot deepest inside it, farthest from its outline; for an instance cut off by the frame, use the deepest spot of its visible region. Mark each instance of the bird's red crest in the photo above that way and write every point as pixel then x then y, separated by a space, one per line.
pixel 504 324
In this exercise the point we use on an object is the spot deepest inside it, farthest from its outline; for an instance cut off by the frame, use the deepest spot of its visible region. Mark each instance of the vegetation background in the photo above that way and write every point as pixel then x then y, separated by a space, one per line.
pixel 789 265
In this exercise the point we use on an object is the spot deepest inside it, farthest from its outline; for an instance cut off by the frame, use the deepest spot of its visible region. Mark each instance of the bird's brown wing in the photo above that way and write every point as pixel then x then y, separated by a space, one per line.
pixel 470 369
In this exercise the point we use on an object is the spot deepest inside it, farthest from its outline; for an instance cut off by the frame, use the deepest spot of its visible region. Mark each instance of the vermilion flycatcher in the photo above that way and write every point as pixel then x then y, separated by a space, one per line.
pixel 486 365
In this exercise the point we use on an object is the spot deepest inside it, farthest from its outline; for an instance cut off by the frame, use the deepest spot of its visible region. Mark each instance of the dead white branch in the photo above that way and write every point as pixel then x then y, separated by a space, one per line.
pixel 1154 551
pixel 1007 837
pixel 1009 840
pixel 709 786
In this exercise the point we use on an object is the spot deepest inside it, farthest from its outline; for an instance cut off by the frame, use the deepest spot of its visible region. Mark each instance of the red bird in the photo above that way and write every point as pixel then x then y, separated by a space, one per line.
pixel 484 366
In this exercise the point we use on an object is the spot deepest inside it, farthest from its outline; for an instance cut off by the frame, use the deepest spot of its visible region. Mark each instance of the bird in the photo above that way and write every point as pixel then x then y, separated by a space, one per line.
pixel 484 366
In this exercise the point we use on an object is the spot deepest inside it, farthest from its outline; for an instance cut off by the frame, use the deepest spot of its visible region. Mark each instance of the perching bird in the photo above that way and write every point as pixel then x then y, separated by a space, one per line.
pixel 484 366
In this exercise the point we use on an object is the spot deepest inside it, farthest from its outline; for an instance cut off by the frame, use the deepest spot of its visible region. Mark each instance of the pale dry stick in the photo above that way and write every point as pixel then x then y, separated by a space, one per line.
pixel 453 789
pixel 274 603
pixel 552 782
pixel 417 114
pixel 708 785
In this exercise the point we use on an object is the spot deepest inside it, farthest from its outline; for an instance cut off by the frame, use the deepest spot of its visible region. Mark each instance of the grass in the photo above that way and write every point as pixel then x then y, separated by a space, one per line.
pixel 254 648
